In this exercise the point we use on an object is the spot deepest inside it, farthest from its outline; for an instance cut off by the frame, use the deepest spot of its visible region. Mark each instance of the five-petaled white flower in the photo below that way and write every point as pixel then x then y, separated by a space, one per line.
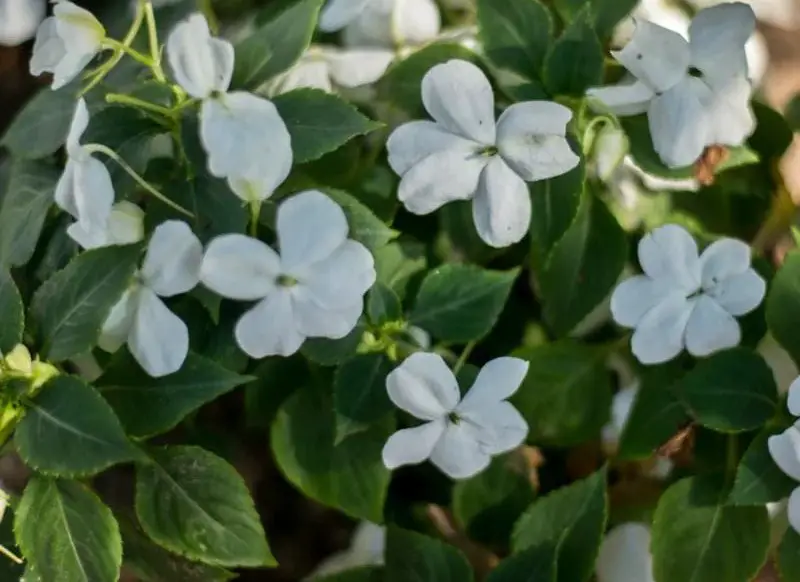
pixel 695 93
pixel 125 226
pixel 784 449
pixel 19 20
pixel 683 299
pixel 66 42
pixel 465 155
pixel 624 555
pixel 386 23
pixel 157 338
pixel 246 140
pixel 314 287
pixel 84 190
pixel 460 435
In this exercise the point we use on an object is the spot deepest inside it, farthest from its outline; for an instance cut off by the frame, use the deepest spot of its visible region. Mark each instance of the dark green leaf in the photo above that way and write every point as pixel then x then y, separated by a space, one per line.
pixel 772 136
pixel 458 225
pixel 148 406
pixel 783 306
pixel 575 61
pixel 365 227
pixel 758 479
pixel 70 430
pixel 365 574
pixel 359 394
pixel 397 262
pixel 196 505
pixel 383 304
pixel 69 309
pixel 537 564
pixel 12 316
pixel 277 378
pixel 413 556
pixel 9 570
pixel 607 14
pixel 789 556
pixel 330 352
pixel 461 303
pixel 66 533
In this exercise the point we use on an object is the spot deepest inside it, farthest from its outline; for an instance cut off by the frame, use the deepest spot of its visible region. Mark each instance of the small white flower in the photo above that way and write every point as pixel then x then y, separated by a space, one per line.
pixel 243 134
pixel 66 42
pixel 465 155
pixel 624 555
pixel 384 23
pixel 19 20
pixel 366 549
pixel 156 337
pixel 784 449
pixel 84 190
pixel 696 93
pixel 314 288
pixel 125 226
pixel 460 436
pixel 686 300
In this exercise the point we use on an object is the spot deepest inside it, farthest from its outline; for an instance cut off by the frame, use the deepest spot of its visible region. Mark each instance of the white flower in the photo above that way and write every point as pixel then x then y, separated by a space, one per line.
pixel 686 300
pixel 624 555
pixel 465 155
pixel 19 20
pixel 243 134
pixel 66 42
pixel 460 436
pixel 621 405
pixel 84 190
pixel 385 23
pixel 695 93
pixel 125 226
pixel 784 449
pixel 366 549
pixel 156 337
pixel 314 288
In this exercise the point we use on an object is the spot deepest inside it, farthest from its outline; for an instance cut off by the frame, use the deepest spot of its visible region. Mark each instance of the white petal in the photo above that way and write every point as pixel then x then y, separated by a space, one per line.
pixel 718 35
pixel 354 68
pixel 636 296
pixel 784 449
pixel 48 48
pixel 497 380
pixel 18 22
pixel 119 322
pixel 415 21
pixel 312 320
pixel 339 13
pixel 459 97
pixel 627 99
pixel 730 118
pixel 311 227
pixel 69 67
pixel 655 55
pixel 254 190
pixel 710 328
pixel 659 334
pixel 793 401
pixel 793 510
pixel 621 406
pixel 92 192
pixel 497 427
pixel 269 328
pixel 65 190
pixel 201 64
pixel 245 137
pixel 159 340
pixel 88 238
pixel 679 124
pixel 412 142
pixel 530 138
pixel 239 267
pixel 501 209
pixel 78 28
pixel 80 121
pixel 722 259
pixel 740 294
pixel 342 279
pixel 424 386
pixel 625 555
pixel 172 262
pixel 457 454
pixel 669 255
pixel 441 178
pixel 125 224
pixel 311 72
pixel 411 446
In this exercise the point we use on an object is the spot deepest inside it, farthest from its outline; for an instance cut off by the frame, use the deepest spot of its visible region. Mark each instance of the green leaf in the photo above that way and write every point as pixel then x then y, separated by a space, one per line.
pixel 697 538
pixel 607 14
pixel 359 394
pixel 276 45
pixel 401 84
pixel 319 122
pixel 789 556
pixel 575 61
pixel 731 391
pixel 413 556
pixel 383 304
pixel 571 520
pixel 196 505
pixel 515 34
pixel 31 186
pixel 330 352
pixel 266 394
pixel 758 479
pixel 772 136
pixel 365 227
pixel 458 226
pixel 69 309
pixel 69 430
pixel 461 303
pixel 349 476
pixel 150 406
pixel 398 262
pixel 783 306
pixel 9 570
pixel 12 315
pixel 365 574
pixel 566 395
pixel 536 564
pixel 66 533
pixel 583 266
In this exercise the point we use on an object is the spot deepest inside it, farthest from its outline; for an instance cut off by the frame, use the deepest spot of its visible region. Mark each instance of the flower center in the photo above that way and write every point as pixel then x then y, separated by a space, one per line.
pixel 454 418
pixel 488 151
pixel 695 72
pixel 286 281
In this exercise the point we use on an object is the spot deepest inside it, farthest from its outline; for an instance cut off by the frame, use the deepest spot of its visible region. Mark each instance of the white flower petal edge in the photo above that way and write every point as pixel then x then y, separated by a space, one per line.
pixel 337 14
pixel 624 555
pixel 460 435
pixel 793 401
pixel 784 448
pixel 19 20
pixel 684 300
pixel 313 288
pixel 125 226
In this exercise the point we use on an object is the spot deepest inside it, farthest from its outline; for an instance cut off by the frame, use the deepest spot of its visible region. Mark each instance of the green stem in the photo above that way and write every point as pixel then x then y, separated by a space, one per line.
pixel 116 57
pixel 155 50
pixel 96 147
pixel 138 103
pixel 130 51
pixel 207 8
pixel 255 214
pixel 462 359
